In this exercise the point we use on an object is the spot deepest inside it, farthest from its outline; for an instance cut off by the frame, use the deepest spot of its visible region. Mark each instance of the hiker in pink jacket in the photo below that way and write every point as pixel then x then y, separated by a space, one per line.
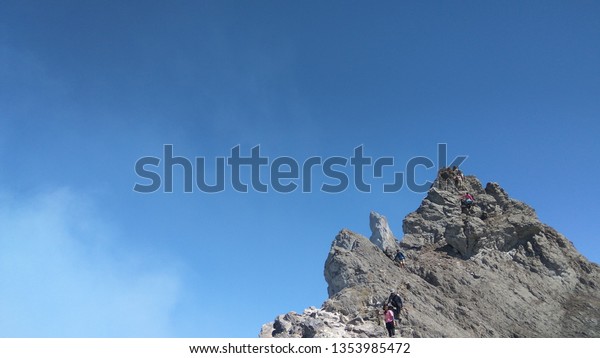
pixel 388 315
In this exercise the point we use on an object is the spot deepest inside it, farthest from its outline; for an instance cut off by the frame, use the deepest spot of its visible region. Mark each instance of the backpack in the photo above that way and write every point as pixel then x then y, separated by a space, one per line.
pixel 397 302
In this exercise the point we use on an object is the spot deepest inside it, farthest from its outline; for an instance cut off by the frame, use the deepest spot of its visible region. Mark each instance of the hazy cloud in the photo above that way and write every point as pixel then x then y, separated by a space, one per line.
pixel 62 274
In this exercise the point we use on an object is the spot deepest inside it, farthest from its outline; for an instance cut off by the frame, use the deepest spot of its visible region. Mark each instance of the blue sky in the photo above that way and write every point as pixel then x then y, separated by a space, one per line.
pixel 88 88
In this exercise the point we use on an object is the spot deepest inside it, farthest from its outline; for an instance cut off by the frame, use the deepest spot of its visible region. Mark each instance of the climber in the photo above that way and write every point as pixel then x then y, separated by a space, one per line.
pixel 467 201
pixel 400 258
pixel 458 179
pixel 388 317
pixel 395 301
pixel 445 173
pixel 445 177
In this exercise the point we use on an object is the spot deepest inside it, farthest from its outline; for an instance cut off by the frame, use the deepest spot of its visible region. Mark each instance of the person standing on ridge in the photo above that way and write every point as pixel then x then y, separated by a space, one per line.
pixel 459 179
pixel 388 316
pixel 395 301
pixel 399 258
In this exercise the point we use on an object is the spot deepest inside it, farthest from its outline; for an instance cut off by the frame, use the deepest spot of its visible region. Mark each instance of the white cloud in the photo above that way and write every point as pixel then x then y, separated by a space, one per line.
pixel 62 274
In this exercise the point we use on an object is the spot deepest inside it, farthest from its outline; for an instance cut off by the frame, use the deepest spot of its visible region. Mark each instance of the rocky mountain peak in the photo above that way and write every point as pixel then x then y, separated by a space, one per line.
pixel 490 269
pixel 494 221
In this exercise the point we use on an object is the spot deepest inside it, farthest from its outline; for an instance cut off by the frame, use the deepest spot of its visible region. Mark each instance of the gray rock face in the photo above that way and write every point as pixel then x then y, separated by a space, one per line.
pixel 382 236
pixel 493 270
pixel 494 222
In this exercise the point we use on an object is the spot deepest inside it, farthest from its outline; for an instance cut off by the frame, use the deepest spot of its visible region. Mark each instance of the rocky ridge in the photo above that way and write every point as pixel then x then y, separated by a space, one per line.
pixel 493 270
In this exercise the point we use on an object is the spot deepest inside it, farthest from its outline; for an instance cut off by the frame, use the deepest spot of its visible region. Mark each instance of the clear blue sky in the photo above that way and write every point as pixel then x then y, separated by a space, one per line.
pixel 88 88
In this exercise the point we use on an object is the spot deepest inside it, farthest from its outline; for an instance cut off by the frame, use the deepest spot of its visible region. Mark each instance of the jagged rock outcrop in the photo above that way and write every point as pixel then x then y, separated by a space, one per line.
pixel 494 222
pixel 382 235
pixel 493 270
